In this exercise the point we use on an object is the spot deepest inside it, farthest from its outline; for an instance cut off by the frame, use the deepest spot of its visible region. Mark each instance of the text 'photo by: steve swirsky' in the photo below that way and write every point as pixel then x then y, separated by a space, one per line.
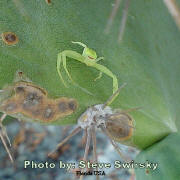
pixel 87 164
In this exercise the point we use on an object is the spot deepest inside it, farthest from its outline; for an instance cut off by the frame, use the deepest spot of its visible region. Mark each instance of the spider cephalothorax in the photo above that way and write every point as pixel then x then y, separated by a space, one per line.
pixel 94 116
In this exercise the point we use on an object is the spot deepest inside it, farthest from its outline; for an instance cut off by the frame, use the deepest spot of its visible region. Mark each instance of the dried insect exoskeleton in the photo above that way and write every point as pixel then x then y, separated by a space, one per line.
pixel 116 125
pixel 27 101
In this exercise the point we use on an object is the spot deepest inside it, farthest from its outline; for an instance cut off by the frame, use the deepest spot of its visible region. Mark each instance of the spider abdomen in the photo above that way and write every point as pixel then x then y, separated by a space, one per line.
pixel 119 126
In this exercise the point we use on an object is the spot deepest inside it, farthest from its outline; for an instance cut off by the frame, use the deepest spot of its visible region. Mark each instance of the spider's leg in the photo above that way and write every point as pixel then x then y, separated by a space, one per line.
pixel 6 147
pixel 99 76
pixel 124 19
pixel 2 134
pixel 87 144
pixel 95 159
pixel 98 59
pixel 5 134
pixel 59 60
pixel 71 55
pixel 65 67
pixel 74 132
pixel 84 138
pixel 130 110
pixel 87 147
pixel 114 95
pixel 116 147
pixel 106 71
pixel 80 43
pixel 62 59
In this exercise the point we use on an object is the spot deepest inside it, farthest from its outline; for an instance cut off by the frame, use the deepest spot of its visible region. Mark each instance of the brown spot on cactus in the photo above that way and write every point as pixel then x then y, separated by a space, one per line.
pixel 49 112
pixel 62 106
pixel 67 105
pixel 20 73
pixel 48 1
pixel 19 90
pixel 147 171
pixel 32 100
pixel 30 87
pixel 9 38
pixel 72 105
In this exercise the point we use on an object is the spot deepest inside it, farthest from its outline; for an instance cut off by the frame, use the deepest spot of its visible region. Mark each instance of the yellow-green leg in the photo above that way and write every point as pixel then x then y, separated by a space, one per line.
pixel 58 68
pixel 65 67
pixel 98 77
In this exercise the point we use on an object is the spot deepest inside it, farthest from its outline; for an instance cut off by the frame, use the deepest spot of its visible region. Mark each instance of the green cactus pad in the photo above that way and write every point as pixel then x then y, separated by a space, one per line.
pixel 166 154
pixel 147 59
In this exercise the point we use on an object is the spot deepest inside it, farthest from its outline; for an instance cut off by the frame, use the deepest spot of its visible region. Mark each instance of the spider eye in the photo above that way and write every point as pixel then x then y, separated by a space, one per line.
pixel 91 57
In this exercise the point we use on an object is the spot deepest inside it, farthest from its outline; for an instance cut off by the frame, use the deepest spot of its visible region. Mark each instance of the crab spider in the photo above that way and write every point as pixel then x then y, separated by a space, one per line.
pixel 88 57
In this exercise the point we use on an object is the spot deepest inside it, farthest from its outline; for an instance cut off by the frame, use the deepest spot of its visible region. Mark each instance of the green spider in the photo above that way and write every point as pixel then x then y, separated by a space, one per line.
pixel 88 57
